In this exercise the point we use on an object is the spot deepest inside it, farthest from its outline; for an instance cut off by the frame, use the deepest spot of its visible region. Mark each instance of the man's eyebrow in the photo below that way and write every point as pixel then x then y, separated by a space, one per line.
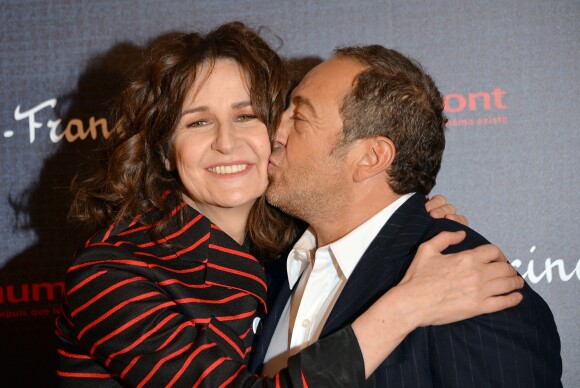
pixel 303 101
pixel 205 108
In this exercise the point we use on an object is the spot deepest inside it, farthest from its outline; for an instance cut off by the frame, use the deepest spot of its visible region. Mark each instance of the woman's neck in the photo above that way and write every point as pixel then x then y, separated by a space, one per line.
pixel 232 221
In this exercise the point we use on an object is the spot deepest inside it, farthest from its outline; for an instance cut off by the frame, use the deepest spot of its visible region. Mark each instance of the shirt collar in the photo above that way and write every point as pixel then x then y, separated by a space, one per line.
pixel 348 250
pixel 300 256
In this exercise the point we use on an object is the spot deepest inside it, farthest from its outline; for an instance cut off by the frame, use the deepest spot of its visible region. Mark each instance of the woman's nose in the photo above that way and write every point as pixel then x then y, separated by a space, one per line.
pixel 225 138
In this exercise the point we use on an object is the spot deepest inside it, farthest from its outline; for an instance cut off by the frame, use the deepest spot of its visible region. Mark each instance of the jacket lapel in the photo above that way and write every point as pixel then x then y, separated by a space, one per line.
pixel 383 264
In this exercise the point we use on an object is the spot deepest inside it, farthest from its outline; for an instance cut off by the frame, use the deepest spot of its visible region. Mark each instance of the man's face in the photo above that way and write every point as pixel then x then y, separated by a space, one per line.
pixel 307 174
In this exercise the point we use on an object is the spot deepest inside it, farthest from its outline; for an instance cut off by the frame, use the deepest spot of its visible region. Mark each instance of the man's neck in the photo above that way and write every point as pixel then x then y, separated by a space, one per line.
pixel 350 214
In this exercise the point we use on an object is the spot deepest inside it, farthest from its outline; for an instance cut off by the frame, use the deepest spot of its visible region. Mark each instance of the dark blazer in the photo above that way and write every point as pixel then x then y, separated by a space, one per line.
pixel 518 347
pixel 138 312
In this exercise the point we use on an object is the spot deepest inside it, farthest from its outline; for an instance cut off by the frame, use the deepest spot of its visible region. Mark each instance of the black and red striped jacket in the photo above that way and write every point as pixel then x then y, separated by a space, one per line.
pixel 177 311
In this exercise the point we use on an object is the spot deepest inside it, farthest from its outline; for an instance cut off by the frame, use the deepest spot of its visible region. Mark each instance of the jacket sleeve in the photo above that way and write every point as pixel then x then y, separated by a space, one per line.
pixel 517 347
pixel 132 331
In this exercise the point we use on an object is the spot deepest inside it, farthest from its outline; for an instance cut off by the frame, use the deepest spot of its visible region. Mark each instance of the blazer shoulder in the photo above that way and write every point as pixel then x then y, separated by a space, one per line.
pixel 472 239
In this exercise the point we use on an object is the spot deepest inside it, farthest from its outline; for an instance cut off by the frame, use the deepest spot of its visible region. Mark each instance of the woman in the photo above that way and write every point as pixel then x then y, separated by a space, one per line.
pixel 168 291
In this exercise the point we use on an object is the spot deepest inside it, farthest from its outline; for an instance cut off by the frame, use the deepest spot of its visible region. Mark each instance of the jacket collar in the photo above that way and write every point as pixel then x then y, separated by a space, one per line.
pixel 193 237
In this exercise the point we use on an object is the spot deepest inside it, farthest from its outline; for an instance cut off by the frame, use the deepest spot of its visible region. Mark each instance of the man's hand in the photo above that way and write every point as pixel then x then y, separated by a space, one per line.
pixel 437 289
pixel 441 289
pixel 439 208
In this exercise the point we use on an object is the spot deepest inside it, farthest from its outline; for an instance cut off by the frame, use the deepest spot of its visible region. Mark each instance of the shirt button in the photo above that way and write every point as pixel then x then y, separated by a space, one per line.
pixel 306 323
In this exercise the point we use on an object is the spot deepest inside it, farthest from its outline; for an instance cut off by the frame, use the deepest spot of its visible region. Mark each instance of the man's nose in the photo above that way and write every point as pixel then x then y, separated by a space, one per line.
pixel 281 136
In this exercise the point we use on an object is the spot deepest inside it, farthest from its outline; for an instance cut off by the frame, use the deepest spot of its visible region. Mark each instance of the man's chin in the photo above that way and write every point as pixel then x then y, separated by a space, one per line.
pixel 275 195
pixel 271 196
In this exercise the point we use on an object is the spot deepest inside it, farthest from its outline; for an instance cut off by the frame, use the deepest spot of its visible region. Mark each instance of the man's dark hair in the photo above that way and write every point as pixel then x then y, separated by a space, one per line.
pixel 394 97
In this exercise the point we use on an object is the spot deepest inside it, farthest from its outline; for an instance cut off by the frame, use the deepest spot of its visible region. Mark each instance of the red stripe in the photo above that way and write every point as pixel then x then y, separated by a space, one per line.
pixel 129 324
pixel 65 316
pixel 87 243
pixel 84 375
pixel 176 281
pixel 240 273
pixel 135 220
pixel 228 381
pixel 136 263
pixel 130 366
pixel 178 253
pixel 226 318
pixel 72 355
pixel 304 383
pixel 211 301
pixel 117 308
pixel 96 275
pixel 233 252
pixel 168 257
pixel 277 380
pixel 227 339
pixel 192 247
pixel 141 339
pixel 135 230
pixel 169 357
pixel 189 270
pixel 178 208
pixel 108 244
pixel 109 231
pixel 180 371
pixel 174 334
pixel 173 235
pixel 243 290
pixel 208 370
pixel 244 335
pixel 105 292
pixel 145 227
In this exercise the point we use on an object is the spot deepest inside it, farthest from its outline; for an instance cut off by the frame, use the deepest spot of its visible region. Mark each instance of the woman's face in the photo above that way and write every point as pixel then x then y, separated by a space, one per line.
pixel 221 149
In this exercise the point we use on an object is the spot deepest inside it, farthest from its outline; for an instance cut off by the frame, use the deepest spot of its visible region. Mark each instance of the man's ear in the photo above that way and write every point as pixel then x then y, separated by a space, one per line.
pixel 375 157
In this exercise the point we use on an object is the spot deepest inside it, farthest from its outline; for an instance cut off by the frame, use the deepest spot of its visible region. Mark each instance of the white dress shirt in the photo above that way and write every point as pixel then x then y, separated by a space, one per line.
pixel 320 282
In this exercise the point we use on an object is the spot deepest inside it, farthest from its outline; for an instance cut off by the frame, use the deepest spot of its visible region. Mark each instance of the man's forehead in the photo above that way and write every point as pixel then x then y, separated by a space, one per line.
pixel 332 77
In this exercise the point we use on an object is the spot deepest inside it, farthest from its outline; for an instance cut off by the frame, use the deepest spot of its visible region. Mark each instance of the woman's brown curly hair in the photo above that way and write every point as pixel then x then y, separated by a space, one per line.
pixel 132 178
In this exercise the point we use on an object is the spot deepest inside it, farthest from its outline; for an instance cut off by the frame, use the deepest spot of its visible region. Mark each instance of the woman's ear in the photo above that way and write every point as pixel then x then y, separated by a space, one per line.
pixel 166 158
pixel 376 155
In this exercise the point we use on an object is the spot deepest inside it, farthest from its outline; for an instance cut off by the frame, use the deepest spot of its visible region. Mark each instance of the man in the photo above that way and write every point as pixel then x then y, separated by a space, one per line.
pixel 359 147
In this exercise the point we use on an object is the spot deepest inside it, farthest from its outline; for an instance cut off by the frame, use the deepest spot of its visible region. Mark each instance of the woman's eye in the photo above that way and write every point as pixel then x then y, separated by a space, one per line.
pixel 197 123
pixel 246 117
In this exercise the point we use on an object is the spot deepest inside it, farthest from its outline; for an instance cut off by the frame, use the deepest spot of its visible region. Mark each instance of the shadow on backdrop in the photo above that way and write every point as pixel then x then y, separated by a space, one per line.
pixel 32 280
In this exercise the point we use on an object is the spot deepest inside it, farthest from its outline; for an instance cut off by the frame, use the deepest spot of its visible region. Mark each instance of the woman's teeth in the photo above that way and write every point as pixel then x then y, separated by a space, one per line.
pixel 232 169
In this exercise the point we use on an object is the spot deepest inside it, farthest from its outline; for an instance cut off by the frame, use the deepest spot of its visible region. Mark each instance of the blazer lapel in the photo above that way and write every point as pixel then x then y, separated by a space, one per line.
pixel 383 264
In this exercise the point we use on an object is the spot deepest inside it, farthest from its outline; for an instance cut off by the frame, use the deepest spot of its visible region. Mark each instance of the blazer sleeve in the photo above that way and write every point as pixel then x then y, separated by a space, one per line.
pixel 517 347
pixel 140 337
